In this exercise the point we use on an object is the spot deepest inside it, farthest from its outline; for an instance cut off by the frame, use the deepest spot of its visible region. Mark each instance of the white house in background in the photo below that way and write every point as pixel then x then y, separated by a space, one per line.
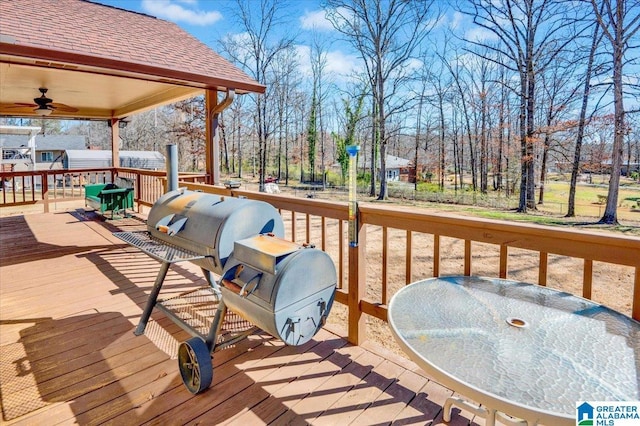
pixel 397 167
pixel 25 149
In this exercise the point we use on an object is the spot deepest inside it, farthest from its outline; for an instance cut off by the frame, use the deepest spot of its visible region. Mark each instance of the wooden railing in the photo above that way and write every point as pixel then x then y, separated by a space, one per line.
pixel 49 186
pixel 552 253
pixel 399 245
pixel 26 187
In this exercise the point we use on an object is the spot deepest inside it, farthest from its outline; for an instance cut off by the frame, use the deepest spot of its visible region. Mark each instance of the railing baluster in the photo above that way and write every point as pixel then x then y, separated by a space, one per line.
pixel 293 225
pixel 436 255
pixel 385 262
pixel 504 257
pixel 323 233
pixel 408 273
pixel 587 279
pixel 635 308
pixel 467 257
pixel 542 269
pixel 341 238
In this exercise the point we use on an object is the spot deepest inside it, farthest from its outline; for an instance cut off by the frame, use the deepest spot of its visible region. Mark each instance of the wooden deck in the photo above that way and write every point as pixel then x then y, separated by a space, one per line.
pixel 70 296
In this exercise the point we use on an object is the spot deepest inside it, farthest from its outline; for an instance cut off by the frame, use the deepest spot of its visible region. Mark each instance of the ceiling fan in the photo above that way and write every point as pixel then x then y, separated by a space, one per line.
pixel 45 106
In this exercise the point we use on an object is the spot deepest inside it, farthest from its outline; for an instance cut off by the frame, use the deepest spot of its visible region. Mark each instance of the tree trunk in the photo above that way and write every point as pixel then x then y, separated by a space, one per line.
pixel 543 168
pixel 383 135
pixel 531 193
pixel 575 168
pixel 522 205
pixel 610 212
pixel 501 121
pixel 441 159
pixel 374 145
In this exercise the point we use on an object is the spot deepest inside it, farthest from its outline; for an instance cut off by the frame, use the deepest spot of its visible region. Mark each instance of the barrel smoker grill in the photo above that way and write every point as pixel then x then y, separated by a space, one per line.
pixel 263 280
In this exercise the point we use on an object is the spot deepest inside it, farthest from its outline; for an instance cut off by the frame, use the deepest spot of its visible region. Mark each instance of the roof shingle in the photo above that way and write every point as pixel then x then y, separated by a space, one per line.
pixel 95 30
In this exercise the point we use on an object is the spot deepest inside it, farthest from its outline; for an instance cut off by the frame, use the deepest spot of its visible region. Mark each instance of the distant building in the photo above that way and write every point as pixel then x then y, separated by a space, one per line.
pixel 397 168
pixel 91 159
pixel 45 151
pixel 29 151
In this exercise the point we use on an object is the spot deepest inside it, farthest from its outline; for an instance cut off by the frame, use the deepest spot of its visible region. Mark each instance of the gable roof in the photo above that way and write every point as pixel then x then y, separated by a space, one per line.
pixel 392 162
pixel 104 42
pixel 45 143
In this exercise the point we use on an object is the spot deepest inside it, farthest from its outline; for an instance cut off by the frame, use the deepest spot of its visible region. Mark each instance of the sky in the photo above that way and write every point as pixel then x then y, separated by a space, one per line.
pixel 210 20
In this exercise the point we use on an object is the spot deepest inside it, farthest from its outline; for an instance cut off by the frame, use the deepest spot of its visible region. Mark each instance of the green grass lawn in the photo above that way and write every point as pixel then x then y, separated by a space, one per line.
pixel 591 200
pixel 590 203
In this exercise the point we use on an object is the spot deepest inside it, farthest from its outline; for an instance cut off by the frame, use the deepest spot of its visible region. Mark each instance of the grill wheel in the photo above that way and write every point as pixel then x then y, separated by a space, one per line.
pixel 194 361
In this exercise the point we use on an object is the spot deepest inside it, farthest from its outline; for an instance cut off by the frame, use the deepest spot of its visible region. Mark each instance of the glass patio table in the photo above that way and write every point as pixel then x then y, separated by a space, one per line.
pixel 524 350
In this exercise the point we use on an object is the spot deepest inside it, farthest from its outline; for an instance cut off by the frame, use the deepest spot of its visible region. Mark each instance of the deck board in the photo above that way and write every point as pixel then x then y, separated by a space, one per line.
pixel 71 295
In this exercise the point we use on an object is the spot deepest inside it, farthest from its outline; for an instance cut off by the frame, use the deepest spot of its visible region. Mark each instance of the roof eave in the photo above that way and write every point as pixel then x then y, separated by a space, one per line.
pixel 20 53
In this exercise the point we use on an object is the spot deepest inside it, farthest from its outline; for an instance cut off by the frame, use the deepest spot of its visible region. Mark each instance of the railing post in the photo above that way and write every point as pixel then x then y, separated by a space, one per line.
pixel 139 191
pixel 357 259
pixel 357 288
pixel 44 185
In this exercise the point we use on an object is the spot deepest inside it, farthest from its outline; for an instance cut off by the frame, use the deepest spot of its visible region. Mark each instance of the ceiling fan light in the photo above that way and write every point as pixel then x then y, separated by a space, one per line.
pixel 42 111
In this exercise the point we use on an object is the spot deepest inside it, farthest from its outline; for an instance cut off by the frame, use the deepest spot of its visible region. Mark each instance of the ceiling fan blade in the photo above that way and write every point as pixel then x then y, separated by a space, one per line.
pixel 62 107
pixel 20 105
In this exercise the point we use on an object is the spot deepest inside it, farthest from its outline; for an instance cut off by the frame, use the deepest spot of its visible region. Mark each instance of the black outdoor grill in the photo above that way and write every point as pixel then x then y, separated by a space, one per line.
pixel 263 281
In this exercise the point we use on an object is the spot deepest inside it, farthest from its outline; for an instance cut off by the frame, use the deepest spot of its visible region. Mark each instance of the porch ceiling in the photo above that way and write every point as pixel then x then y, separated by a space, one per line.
pixel 102 61
pixel 94 95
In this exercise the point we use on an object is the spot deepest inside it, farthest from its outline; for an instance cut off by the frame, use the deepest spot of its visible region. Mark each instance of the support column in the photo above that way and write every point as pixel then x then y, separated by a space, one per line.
pixel 212 147
pixel 115 143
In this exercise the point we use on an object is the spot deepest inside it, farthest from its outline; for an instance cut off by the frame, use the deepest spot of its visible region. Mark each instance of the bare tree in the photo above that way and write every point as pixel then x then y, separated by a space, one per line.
pixel 190 133
pixel 319 66
pixel 440 87
pixel 582 120
pixel 285 83
pixel 463 93
pixel 619 21
pixel 531 34
pixel 312 134
pixel 386 34
pixel 233 120
pixel 256 52
pixel 557 96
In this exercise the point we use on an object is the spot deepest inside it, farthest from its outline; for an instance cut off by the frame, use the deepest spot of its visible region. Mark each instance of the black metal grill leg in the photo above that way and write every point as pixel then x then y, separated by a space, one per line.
pixel 153 298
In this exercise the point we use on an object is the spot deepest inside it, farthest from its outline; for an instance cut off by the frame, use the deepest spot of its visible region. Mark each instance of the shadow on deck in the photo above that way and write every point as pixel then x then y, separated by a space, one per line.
pixel 70 297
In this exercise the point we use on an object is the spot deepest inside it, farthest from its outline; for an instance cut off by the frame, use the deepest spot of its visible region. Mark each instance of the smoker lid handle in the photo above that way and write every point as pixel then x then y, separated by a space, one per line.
pixel 169 226
pixel 231 286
